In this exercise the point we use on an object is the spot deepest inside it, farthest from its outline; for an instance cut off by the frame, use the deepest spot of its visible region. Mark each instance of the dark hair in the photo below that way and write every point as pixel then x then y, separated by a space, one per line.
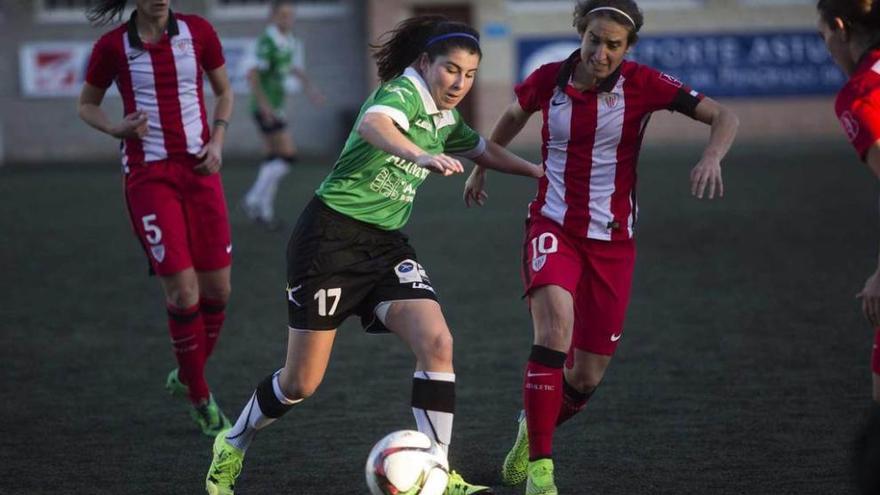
pixel 859 15
pixel 105 11
pixel 410 38
pixel 277 4
pixel 582 16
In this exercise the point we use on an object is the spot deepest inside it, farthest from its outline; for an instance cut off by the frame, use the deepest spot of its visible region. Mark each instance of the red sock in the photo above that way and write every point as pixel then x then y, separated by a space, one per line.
pixel 187 333
pixel 542 396
pixel 213 315
pixel 572 402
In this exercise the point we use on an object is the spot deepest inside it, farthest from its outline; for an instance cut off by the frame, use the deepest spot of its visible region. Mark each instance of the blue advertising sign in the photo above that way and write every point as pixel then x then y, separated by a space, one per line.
pixel 740 64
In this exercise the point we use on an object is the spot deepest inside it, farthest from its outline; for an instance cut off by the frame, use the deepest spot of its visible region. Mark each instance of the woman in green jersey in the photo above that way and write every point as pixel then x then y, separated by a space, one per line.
pixel 277 52
pixel 347 256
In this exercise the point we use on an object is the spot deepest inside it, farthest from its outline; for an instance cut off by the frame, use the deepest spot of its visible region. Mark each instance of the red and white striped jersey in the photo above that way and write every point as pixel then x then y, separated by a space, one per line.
pixel 163 79
pixel 591 142
pixel 858 104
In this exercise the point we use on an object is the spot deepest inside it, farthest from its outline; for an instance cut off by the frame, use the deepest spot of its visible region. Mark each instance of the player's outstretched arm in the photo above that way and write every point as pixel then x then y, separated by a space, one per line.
pixel 508 126
pixel 870 294
pixel 380 131
pixel 707 172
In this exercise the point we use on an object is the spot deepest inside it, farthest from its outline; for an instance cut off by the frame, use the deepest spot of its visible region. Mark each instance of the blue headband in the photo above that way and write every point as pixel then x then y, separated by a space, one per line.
pixel 446 36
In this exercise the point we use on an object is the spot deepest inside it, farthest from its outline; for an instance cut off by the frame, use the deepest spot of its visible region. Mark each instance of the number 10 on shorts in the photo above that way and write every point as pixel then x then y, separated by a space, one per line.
pixel 543 245
pixel 322 295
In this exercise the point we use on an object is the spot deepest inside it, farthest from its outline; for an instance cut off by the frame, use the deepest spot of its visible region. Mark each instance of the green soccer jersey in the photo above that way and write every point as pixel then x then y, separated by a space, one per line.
pixel 276 54
pixel 378 188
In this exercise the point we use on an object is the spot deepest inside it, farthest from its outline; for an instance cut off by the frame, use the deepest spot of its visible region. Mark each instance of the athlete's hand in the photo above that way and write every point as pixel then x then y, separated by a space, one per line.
pixel 440 164
pixel 870 296
pixel 475 188
pixel 707 173
pixel 133 126
pixel 212 159
pixel 268 115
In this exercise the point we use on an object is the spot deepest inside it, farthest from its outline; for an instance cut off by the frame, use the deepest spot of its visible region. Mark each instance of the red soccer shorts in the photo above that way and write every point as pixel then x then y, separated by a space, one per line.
pixel 598 274
pixel 179 216
pixel 875 355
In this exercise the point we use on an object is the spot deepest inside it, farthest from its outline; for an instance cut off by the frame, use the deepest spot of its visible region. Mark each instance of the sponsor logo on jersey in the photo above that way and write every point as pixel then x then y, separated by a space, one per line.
pixel 850 125
pixel 671 80
pixel 538 262
pixel 422 285
pixel 158 252
pixel 424 124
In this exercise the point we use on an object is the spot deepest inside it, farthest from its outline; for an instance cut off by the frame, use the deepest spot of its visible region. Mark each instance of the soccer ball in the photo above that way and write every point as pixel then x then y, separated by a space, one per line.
pixel 407 462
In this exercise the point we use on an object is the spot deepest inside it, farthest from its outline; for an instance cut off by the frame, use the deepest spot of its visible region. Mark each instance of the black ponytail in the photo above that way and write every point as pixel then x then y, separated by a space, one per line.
pixel 417 35
pixel 105 11
pixel 858 15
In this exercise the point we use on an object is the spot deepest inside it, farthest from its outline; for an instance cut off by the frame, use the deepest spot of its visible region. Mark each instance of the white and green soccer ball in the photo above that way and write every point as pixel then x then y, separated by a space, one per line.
pixel 407 462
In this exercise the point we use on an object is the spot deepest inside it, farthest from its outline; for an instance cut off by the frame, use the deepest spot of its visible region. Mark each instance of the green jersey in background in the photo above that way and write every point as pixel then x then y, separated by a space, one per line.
pixel 276 54
pixel 378 188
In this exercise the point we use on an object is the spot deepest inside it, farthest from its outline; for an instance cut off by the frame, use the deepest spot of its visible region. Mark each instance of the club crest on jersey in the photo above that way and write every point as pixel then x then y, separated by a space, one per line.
pixel 610 99
pixel 850 125
pixel 182 46
pixel 538 262
pixel 671 80
pixel 407 272
pixel 158 252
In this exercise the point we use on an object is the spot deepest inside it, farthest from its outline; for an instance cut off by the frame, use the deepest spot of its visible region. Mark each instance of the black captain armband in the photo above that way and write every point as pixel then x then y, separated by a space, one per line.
pixel 685 102
pixel 221 123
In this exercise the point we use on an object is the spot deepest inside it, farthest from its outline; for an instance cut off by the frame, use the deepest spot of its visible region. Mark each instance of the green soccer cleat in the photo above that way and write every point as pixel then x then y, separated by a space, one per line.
pixel 174 386
pixel 540 478
pixel 458 486
pixel 225 467
pixel 209 418
pixel 513 471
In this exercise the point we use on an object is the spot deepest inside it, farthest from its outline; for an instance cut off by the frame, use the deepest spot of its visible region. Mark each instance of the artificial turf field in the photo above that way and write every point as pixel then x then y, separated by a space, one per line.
pixel 744 367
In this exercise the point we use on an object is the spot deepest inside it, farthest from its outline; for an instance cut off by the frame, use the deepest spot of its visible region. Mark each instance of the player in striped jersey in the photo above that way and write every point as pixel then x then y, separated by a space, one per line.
pixel 277 52
pixel 579 252
pixel 347 256
pixel 851 30
pixel 171 159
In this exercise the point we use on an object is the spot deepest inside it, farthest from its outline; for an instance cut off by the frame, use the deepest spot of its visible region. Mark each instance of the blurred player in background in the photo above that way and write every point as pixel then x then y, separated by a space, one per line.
pixel 171 159
pixel 851 30
pixel 579 251
pixel 276 54
pixel 347 256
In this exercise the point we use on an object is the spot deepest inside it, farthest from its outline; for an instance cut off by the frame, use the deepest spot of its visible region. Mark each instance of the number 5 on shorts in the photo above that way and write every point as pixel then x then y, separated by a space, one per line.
pixel 543 245
pixel 152 231
pixel 322 295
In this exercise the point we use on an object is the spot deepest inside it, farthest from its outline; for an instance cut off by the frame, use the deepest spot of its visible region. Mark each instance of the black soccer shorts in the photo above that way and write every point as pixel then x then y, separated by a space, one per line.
pixel 270 126
pixel 338 266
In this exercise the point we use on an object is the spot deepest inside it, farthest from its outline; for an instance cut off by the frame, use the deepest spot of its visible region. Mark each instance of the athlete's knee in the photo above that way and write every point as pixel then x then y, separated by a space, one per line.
pixel 182 293
pixel 219 292
pixel 298 386
pixel 436 348
pixel 585 383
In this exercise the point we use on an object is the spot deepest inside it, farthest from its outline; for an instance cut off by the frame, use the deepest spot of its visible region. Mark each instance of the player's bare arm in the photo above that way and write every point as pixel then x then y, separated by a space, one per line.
pixel 707 172
pixel 133 125
pixel 508 127
pixel 212 153
pixel 870 293
pixel 312 91
pixel 265 109
pixel 380 131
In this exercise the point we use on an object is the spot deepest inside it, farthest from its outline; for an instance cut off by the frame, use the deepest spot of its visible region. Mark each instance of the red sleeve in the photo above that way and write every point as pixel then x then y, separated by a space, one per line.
pixel 665 92
pixel 102 68
pixel 210 48
pixel 535 90
pixel 861 122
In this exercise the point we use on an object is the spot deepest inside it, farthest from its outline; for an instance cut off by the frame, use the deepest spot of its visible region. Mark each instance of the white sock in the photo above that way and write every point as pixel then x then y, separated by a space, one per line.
pixel 253 419
pixel 277 170
pixel 254 195
pixel 434 386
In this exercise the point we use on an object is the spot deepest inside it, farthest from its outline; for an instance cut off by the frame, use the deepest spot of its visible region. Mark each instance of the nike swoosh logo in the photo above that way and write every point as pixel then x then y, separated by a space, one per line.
pixel 556 103
pixel 616 337
pixel 530 374
pixel 229 249
pixel 136 55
